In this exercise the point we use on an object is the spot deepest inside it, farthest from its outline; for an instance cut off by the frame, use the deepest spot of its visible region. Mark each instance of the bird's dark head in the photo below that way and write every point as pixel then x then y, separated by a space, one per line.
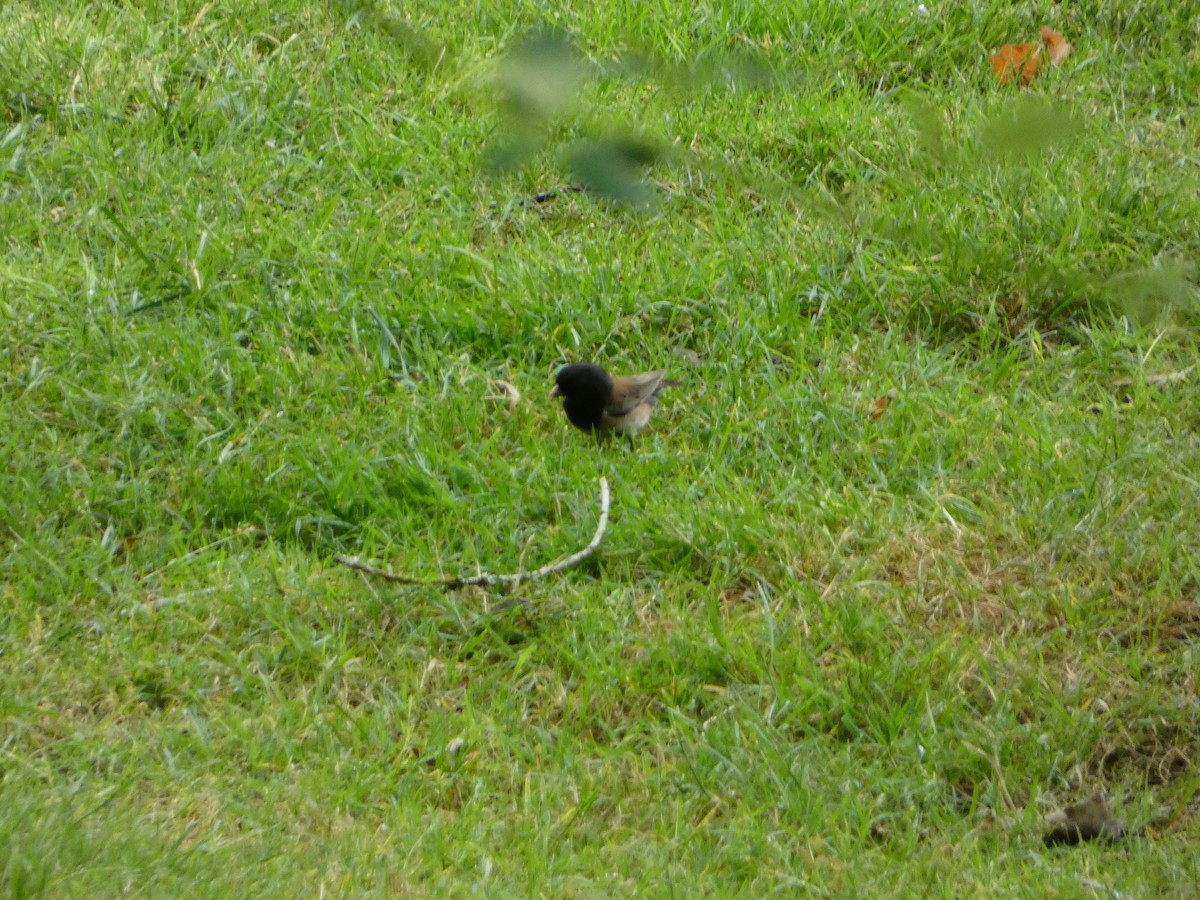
pixel 583 380
pixel 586 389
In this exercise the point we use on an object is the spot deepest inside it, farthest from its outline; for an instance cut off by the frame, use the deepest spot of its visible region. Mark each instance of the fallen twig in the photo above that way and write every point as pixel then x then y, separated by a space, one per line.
pixel 487 579
pixel 1155 380
pixel 168 601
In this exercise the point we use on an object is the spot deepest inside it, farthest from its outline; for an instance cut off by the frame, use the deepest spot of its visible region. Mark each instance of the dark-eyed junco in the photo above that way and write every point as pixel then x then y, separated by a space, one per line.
pixel 596 401
pixel 1088 820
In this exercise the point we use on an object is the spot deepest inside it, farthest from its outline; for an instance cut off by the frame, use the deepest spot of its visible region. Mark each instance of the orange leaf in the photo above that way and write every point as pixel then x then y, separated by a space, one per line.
pixel 879 407
pixel 1057 47
pixel 1026 60
pixel 1014 59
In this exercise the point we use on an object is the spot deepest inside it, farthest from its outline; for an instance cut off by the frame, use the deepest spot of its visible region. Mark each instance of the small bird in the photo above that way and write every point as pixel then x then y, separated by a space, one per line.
pixel 1088 820
pixel 596 401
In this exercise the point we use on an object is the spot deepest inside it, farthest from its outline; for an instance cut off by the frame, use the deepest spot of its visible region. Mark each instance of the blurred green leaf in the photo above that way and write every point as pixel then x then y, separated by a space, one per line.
pixel 739 69
pixel 614 168
pixel 510 151
pixel 1032 125
pixel 1146 294
pixel 421 50
pixel 537 79
pixel 539 76
pixel 933 137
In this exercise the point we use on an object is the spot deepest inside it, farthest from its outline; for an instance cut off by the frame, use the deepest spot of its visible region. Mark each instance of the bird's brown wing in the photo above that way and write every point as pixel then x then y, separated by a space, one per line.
pixel 630 391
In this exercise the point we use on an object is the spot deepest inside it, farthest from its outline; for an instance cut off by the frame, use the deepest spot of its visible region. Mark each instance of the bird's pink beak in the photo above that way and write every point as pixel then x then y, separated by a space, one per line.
pixel 555 393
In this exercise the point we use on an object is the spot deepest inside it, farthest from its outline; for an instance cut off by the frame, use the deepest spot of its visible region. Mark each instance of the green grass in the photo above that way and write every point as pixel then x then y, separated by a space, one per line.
pixel 257 278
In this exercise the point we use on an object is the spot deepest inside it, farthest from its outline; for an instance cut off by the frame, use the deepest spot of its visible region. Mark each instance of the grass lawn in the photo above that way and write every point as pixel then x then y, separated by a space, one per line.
pixel 261 265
